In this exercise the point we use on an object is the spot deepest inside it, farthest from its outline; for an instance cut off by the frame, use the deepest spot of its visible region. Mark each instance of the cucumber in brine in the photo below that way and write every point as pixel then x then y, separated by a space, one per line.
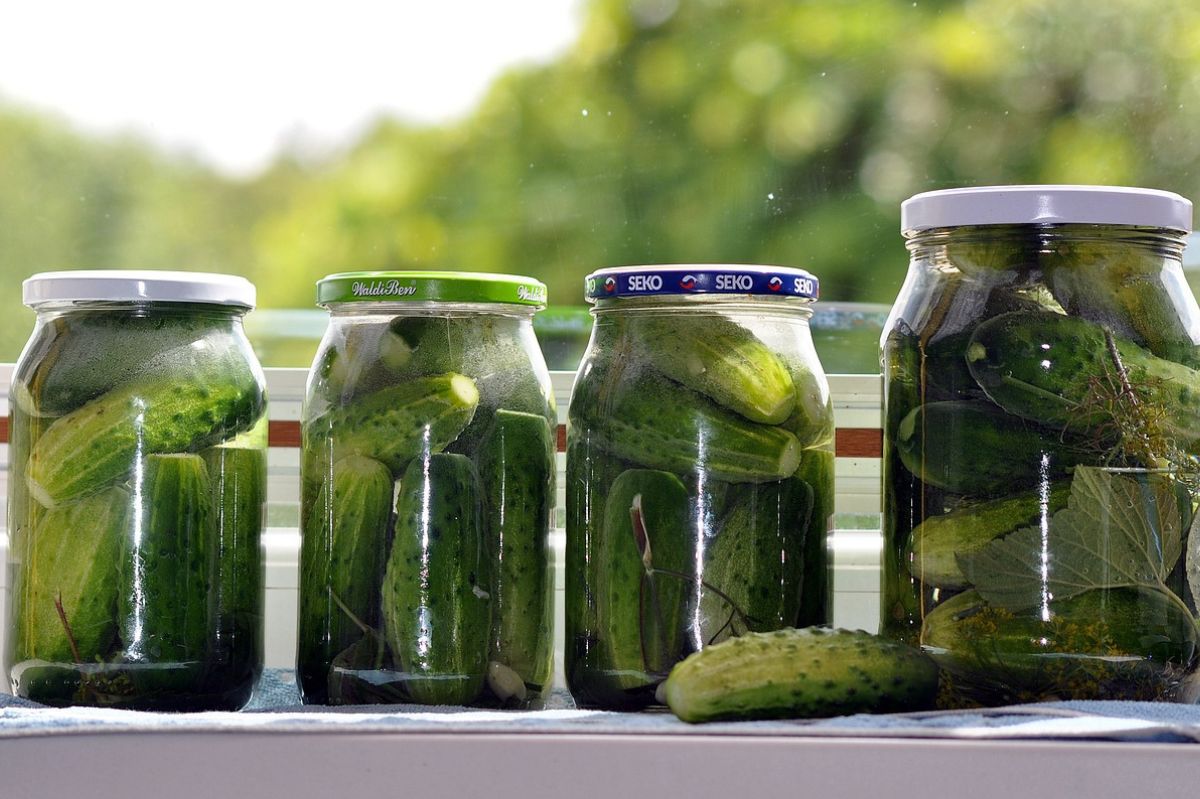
pixel 436 598
pixel 516 467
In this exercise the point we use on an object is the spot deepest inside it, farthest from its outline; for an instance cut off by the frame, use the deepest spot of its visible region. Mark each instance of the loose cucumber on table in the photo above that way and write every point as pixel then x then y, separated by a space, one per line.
pixel 516 468
pixel 801 673
pixel 436 598
pixel 344 540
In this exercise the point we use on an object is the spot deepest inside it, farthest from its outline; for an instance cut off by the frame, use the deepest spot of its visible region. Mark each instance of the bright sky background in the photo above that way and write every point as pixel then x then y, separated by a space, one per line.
pixel 231 80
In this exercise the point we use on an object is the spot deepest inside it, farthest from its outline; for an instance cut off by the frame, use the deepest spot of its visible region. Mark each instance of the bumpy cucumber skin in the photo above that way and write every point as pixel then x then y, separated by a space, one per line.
pixel 1040 366
pixel 95 445
pixel 757 560
pixel 516 467
pixel 1124 643
pixel 816 595
pixel 1129 288
pixel 395 424
pixel 73 555
pixel 78 356
pixel 500 353
pixel 238 476
pixel 164 607
pixel 938 541
pixel 435 599
pixel 807 673
pixel 812 420
pixel 343 546
pixel 640 651
pixel 720 359
pixel 927 441
pixel 660 424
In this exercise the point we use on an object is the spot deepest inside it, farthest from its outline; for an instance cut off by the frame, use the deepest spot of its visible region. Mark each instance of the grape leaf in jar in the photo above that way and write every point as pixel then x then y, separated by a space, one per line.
pixel 1116 531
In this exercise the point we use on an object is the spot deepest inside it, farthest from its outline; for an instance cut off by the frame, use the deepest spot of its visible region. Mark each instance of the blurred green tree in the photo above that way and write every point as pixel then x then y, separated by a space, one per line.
pixel 781 131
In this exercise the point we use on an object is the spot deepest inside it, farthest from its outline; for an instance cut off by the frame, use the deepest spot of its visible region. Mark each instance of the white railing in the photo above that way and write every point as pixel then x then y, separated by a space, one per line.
pixel 856 544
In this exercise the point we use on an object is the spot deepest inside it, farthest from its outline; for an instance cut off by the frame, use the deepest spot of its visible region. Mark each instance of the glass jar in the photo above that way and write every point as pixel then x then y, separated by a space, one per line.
pixel 699 472
pixel 1041 431
pixel 136 493
pixel 429 436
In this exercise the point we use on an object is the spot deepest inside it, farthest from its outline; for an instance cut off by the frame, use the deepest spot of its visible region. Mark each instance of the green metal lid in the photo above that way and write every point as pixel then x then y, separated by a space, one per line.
pixel 431 287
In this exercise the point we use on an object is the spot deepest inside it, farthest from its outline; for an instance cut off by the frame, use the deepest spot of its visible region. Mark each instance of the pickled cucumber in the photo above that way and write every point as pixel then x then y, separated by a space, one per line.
pixel 436 597
pixel 660 424
pixel 717 357
pixel 344 544
pixel 96 445
pixel 516 466
pixel 645 571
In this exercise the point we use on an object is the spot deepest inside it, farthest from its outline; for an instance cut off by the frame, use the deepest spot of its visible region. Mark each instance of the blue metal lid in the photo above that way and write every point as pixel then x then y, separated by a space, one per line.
pixel 683 279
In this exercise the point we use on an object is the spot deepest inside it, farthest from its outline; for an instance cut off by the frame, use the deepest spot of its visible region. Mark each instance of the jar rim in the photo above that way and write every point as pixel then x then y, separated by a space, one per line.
pixel 430 286
pixel 1124 206
pixel 711 280
pixel 137 286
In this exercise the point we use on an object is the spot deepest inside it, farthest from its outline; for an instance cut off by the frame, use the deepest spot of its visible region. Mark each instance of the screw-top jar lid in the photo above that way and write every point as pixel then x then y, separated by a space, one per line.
pixel 1046 205
pixel 684 279
pixel 137 285
pixel 431 287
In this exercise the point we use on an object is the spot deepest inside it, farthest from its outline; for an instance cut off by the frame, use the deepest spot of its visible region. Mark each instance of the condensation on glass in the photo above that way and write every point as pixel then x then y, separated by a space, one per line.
pixel 136 494
pixel 699 472
pixel 427 494
pixel 1041 425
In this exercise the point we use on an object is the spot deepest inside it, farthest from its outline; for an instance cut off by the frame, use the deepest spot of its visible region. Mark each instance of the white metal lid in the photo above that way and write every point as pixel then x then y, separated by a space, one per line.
pixel 1046 205
pixel 127 285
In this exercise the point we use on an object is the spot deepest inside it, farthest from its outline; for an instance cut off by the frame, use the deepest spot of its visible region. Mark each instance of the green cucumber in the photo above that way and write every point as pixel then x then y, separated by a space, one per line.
pixel 660 424
pixel 239 493
pixel 436 601
pixel 754 567
pixel 72 556
pixel 360 358
pixel 395 424
pixel 812 420
pixel 1066 373
pixel 809 673
pixel 717 357
pixel 938 541
pixel 516 468
pixel 164 604
pixel 23 510
pixel 954 445
pixel 639 611
pixel 343 546
pixel 816 597
pixel 80 355
pixel 1131 643
pixel 500 353
pixel 1128 287
pixel 207 395
pixel 589 478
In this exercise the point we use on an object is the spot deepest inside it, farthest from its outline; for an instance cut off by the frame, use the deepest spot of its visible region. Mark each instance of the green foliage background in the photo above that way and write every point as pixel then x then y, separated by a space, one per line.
pixel 775 131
